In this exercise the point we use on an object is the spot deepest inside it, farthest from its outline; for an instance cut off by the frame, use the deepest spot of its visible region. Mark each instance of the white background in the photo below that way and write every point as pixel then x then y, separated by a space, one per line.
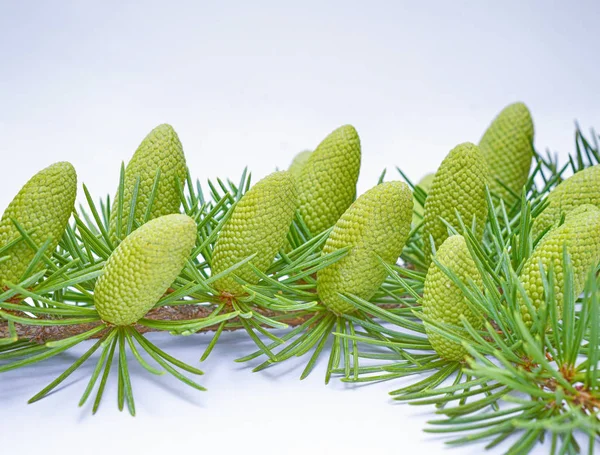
pixel 252 83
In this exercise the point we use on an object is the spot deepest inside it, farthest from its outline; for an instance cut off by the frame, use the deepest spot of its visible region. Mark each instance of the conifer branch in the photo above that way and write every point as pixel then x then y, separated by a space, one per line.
pixel 501 332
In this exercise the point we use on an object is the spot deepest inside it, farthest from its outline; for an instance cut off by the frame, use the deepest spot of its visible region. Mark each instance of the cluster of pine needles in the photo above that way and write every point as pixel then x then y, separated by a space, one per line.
pixel 521 384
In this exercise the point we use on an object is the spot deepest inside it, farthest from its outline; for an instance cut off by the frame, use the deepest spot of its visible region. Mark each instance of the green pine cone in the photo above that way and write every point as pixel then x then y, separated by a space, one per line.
pixel 376 224
pixel 459 184
pixel 327 182
pixel 507 146
pixel 43 208
pixel 581 188
pixel 581 234
pixel 160 149
pixel 444 302
pixel 298 163
pixel 425 184
pixel 141 269
pixel 258 225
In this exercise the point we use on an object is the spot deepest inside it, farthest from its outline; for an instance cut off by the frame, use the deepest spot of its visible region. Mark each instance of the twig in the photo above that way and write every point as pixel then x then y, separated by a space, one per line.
pixel 43 334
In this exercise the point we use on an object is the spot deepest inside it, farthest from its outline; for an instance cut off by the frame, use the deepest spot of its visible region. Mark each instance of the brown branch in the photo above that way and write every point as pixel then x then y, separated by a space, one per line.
pixel 43 334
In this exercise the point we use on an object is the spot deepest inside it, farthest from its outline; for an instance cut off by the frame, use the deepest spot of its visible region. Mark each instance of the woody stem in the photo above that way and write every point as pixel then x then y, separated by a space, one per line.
pixel 43 334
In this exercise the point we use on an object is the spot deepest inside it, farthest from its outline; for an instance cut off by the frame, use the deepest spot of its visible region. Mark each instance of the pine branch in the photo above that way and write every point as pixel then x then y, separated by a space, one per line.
pixel 527 379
